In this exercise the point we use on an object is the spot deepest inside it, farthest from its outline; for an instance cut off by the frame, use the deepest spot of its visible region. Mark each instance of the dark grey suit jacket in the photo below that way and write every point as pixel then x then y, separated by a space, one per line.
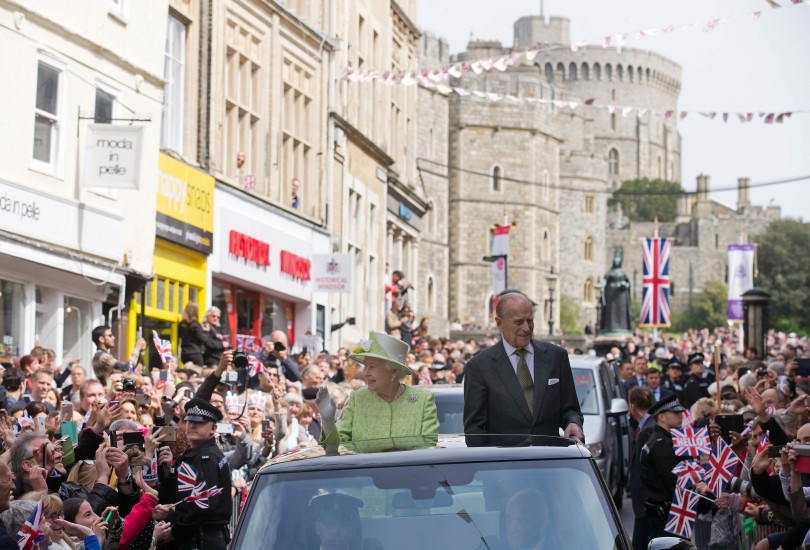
pixel 494 401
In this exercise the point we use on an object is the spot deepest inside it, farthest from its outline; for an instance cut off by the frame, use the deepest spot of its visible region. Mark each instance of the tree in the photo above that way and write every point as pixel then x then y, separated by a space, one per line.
pixel 784 272
pixel 568 316
pixel 709 309
pixel 643 200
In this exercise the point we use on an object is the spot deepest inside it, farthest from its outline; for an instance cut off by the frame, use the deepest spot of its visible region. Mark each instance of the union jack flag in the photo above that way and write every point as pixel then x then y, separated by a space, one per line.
pixel 687 419
pixel 722 462
pixel 689 473
pixel 249 343
pixel 31 534
pixel 201 495
pixel 764 442
pixel 682 513
pixel 424 379
pixel 255 366
pixel 688 442
pixel 164 347
pixel 655 295
pixel 186 478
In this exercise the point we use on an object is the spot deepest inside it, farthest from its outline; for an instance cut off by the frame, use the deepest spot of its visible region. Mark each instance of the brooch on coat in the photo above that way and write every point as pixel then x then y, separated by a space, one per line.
pixel 413 398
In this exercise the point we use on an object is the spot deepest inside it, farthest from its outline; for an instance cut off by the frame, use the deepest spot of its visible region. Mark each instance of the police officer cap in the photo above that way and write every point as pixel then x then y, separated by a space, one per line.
pixel 199 410
pixel 675 363
pixel 696 357
pixel 334 508
pixel 666 405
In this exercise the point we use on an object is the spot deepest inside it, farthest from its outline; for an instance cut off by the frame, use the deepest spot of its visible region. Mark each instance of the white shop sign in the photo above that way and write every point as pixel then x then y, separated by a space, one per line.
pixel 332 272
pixel 112 156
pixel 61 222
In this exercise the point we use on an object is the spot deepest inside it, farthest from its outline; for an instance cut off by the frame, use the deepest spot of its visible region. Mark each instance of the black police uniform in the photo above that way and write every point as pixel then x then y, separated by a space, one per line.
pixel 192 526
pixel 696 385
pixel 677 386
pixel 657 459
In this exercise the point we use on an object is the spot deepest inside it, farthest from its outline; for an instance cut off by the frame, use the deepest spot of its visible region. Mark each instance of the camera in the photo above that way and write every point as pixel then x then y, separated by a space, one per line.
pixel 739 485
pixel 278 346
pixel 240 358
pixel 762 373
pixel 128 385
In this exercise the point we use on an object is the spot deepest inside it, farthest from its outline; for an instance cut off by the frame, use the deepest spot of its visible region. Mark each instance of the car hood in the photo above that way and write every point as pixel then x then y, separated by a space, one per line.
pixel 594 428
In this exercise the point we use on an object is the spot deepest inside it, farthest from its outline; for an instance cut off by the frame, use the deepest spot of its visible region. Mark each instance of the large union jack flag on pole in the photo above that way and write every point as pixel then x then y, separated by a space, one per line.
pixel 655 295
pixel 682 513
pixel 722 463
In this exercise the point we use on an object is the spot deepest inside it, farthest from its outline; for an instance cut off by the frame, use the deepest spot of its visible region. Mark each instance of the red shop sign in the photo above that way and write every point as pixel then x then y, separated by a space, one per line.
pixel 249 249
pixel 295 266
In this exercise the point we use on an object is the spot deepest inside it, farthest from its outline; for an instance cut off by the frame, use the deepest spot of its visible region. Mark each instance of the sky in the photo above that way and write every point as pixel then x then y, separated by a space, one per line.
pixel 743 65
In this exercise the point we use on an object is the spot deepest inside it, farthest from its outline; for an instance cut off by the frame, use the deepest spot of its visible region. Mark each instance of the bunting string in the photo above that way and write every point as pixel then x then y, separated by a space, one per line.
pixel 479 66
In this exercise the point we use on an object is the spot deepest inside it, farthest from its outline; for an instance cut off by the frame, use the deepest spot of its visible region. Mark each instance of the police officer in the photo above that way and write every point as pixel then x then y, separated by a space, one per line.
pixel 657 459
pixel 204 467
pixel 696 385
pixel 674 378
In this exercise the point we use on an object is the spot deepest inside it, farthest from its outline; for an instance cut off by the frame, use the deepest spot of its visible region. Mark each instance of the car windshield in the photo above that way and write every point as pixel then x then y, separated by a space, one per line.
pixel 587 393
pixel 547 503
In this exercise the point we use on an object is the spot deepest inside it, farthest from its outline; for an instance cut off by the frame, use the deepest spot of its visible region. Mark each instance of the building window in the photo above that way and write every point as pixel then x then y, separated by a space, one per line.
pixel 609 72
pixel 104 107
pixel 590 204
pixel 597 71
pixel 546 185
pixel 587 290
pixel 613 121
pixel 546 246
pixel 243 103
pixel 300 126
pixel 496 178
pixel 586 73
pixel 630 73
pixel 561 71
pixel 572 71
pixel 171 131
pixel 431 299
pixel 47 114
pixel 588 249
pixel 620 72
pixel 613 162
pixel 549 71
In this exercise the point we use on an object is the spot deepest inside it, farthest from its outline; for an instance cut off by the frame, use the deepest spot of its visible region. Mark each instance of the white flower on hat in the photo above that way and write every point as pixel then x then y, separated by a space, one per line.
pixel 362 345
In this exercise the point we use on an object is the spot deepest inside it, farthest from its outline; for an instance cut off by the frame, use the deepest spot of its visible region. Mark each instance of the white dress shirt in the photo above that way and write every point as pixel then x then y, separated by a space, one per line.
pixel 514 358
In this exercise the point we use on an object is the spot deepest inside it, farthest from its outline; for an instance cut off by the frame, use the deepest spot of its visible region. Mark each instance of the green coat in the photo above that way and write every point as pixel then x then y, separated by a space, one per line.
pixel 367 416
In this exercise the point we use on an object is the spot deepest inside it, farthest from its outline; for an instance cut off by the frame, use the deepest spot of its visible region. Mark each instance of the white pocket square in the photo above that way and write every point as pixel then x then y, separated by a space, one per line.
pixel 552 381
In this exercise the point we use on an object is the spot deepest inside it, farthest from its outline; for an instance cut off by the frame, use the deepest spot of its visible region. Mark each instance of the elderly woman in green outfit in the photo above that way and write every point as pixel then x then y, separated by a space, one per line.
pixel 386 408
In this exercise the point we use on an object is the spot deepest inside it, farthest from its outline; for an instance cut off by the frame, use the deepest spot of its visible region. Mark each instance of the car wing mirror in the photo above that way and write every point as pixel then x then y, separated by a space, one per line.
pixel 618 406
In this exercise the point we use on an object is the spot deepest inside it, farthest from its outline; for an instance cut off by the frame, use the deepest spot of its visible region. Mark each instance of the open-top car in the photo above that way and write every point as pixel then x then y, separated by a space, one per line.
pixel 544 493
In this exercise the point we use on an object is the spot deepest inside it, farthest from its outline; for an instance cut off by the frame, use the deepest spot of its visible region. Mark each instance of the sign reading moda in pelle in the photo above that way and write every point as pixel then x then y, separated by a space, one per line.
pixel 332 273
pixel 112 156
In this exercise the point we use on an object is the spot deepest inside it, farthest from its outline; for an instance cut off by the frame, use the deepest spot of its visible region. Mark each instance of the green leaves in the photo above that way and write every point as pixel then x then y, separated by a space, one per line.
pixel 643 199
pixel 784 272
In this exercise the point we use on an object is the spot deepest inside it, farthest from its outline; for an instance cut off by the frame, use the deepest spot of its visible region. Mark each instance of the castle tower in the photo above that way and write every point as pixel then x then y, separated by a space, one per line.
pixel 534 30
pixel 743 200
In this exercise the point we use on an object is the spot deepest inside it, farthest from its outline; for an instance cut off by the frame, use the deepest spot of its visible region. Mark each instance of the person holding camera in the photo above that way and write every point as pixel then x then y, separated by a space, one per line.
pixel 275 353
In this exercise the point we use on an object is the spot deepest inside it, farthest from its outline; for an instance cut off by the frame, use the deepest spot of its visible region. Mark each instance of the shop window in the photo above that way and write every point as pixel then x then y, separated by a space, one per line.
pixel 12 305
pixel 149 288
pixel 171 307
pixel 160 298
pixel 78 322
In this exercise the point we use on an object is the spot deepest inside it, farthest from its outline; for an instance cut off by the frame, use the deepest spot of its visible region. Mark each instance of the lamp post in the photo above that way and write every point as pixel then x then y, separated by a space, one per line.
pixel 495 258
pixel 551 279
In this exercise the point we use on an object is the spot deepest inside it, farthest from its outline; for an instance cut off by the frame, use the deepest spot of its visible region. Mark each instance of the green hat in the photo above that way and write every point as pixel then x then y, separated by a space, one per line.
pixel 382 346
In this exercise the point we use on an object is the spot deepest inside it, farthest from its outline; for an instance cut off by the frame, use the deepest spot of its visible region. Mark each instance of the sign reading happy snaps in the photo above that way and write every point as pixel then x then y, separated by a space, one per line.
pixel 112 156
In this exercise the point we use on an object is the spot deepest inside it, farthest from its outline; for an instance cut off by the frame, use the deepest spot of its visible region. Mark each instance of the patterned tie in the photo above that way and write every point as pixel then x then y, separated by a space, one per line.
pixel 525 378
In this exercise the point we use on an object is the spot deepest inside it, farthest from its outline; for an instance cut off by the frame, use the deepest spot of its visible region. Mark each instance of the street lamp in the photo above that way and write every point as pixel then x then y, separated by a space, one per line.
pixel 495 258
pixel 551 279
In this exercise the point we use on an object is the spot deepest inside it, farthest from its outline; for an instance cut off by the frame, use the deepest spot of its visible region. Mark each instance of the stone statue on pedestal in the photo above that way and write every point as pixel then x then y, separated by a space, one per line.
pixel 615 300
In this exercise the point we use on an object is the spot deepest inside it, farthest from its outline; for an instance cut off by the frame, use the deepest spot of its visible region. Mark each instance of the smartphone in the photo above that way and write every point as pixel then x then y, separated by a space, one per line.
pixel 40 423
pixel 775 451
pixel 68 428
pixel 142 399
pixel 169 433
pixel 45 455
pixel 68 454
pixel 803 367
pixel 729 423
pixel 66 412
pixel 164 375
pixel 352 320
pixel 265 424
pixel 133 439
pixel 225 428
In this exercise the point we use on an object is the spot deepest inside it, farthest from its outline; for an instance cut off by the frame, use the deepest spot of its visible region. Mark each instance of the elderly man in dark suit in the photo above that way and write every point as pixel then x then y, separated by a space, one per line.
pixel 519 385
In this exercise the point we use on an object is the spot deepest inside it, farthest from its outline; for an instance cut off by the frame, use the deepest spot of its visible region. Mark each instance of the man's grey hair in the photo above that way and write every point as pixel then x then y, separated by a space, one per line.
pixel 21 451
pixel 17 514
pixel 309 369
pixel 123 424
pixel 507 296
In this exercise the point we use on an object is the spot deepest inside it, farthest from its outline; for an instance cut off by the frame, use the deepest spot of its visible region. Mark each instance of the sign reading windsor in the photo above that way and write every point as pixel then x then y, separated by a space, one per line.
pixel 112 156
pixel 332 272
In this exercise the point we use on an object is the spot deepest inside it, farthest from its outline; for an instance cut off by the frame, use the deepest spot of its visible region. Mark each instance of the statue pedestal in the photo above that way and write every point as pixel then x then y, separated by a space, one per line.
pixel 604 341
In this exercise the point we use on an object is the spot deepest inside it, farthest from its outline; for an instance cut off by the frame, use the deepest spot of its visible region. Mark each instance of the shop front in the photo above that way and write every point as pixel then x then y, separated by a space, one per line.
pixel 59 273
pixel 261 273
pixel 183 241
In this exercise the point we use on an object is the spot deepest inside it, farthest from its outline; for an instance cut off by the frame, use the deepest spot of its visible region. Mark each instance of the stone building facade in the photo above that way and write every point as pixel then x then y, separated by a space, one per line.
pixel 567 162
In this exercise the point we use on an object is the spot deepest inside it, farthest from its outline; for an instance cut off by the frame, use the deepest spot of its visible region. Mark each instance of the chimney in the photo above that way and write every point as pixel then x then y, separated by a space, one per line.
pixel 743 200
pixel 703 188
pixel 684 209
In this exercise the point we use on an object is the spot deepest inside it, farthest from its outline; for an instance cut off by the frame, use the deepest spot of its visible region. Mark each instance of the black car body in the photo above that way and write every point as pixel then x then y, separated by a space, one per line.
pixel 438 498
